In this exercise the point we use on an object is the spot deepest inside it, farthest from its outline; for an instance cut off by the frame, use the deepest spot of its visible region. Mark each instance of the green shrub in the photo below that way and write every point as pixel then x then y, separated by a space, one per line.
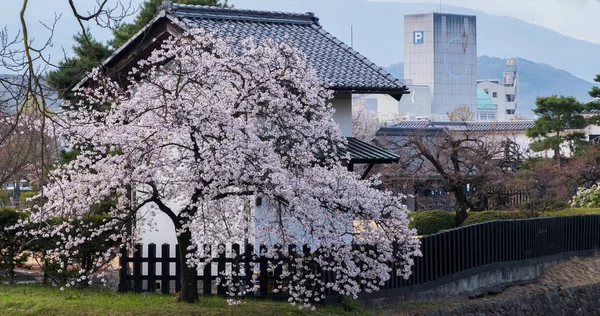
pixel 572 212
pixel 24 195
pixel 11 245
pixel 431 222
pixel 487 216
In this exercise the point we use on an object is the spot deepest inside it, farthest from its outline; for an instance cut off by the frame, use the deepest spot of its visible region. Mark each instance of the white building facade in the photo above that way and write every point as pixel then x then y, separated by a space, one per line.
pixel 502 92
pixel 440 51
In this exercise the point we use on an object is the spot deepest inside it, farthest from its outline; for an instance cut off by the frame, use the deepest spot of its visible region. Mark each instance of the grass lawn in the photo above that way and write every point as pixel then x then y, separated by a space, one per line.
pixel 37 300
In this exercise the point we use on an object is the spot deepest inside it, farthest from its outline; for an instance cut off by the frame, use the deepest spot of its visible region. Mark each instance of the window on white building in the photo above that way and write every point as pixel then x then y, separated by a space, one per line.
pixel 494 94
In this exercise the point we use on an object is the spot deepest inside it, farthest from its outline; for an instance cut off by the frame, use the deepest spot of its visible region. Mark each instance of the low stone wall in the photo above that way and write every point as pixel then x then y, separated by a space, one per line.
pixel 475 282
pixel 583 300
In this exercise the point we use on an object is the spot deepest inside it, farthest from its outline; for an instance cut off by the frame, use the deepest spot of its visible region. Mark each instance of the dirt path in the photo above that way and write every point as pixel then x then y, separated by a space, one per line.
pixel 575 272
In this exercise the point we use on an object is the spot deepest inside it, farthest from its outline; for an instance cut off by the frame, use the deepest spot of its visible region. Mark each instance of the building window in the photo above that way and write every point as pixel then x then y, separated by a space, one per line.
pixel 494 94
pixel 510 111
pixel 486 91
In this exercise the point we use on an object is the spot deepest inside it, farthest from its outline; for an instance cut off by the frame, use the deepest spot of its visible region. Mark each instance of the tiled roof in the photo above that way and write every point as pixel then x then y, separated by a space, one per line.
pixel 403 128
pixel 361 152
pixel 339 66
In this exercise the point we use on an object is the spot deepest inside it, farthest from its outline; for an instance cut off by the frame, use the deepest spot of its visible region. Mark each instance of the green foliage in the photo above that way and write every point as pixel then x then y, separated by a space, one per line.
pixel 572 212
pixel 595 92
pixel 88 54
pixel 556 115
pixel 487 216
pixel 146 14
pixel 11 245
pixel 351 305
pixel 433 221
pixel 68 156
pixel 24 195
pixel 4 197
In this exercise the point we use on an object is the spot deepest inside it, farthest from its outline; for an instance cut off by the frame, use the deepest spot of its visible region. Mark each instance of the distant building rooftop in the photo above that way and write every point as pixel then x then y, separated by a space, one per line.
pixel 408 127
pixel 484 102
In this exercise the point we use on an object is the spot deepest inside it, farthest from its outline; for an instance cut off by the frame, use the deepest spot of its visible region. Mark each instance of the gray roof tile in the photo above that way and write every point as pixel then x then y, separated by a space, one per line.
pixel 413 126
pixel 338 65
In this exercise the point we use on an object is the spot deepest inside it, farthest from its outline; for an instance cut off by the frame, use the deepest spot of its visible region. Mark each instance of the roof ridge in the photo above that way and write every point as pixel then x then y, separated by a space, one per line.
pixel 362 58
pixel 211 12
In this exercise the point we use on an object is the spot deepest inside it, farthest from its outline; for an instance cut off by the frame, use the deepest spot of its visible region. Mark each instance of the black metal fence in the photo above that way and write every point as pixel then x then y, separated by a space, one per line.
pixel 446 255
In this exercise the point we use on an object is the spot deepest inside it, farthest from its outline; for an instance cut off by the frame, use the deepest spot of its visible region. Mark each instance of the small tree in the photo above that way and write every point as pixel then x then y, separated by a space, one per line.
pixel 557 115
pixel 12 246
pixel 461 113
pixel 202 132
pixel 451 162
pixel 364 122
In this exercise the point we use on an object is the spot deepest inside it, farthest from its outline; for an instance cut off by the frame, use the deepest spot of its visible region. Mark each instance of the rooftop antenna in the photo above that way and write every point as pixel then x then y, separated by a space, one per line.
pixel 351 36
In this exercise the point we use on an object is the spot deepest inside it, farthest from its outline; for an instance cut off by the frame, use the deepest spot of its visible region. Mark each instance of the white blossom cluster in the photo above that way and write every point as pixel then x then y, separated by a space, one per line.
pixel 589 197
pixel 210 126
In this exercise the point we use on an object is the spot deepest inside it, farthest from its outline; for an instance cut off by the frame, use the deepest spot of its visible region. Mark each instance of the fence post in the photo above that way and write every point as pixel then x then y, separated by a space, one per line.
pixel 264 282
pixel 248 267
pixel 137 268
pixel 165 282
pixel 123 267
pixel 151 267
pixel 235 265
pixel 291 262
pixel 177 269
pixel 278 271
pixel 207 272
pixel 221 269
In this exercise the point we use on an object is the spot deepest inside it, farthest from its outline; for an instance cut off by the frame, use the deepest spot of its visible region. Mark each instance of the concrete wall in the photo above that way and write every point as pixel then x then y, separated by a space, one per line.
pixel 500 100
pixel 581 300
pixel 494 277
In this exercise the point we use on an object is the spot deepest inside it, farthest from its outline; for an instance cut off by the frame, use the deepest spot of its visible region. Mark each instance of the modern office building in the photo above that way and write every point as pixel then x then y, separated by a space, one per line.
pixel 440 51
pixel 502 94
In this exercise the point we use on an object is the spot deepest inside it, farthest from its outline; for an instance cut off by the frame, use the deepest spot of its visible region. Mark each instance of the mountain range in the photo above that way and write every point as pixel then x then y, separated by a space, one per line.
pixel 549 62
pixel 535 79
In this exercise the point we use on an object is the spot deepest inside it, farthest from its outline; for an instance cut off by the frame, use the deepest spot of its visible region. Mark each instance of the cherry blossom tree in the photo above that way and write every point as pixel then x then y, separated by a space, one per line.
pixel 201 130
pixel 364 122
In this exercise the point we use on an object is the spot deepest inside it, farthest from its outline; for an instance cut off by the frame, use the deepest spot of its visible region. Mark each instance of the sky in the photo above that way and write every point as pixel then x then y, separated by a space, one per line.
pixel 574 18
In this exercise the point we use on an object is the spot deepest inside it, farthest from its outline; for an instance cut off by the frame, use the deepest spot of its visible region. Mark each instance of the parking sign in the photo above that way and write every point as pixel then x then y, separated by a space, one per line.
pixel 418 37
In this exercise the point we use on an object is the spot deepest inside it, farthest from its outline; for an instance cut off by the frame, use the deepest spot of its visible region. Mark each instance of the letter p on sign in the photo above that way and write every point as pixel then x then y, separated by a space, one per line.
pixel 418 37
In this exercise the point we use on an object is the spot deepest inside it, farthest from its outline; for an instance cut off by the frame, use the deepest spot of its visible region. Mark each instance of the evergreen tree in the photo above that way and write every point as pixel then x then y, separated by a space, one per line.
pixel 146 14
pixel 557 114
pixel 88 54
pixel 595 92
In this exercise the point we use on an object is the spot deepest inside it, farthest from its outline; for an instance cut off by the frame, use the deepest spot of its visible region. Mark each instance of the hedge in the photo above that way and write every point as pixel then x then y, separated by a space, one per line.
pixel 571 212
pixel 487 216
pixel 433 221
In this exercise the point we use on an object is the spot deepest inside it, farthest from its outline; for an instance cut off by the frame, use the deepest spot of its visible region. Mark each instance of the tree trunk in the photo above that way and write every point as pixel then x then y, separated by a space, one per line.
pixel 188 277
pixel 461 207
pixel 557 156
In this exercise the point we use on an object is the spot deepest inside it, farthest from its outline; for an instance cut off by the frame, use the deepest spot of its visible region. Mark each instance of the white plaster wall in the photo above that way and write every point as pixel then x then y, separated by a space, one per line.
pixel 342 103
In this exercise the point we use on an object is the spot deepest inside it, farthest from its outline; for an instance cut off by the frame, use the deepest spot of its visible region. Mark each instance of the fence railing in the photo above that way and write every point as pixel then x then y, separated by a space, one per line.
pixel 446 254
